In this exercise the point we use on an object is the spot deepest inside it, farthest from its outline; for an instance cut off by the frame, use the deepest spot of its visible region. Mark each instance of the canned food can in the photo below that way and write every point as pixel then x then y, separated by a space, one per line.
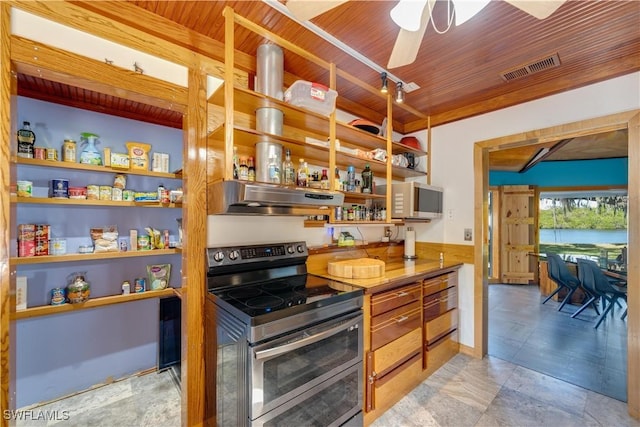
pixel 60 188
pixel 26 232
pixel 52 154
pixel 58 296
pixel 105 192
pixel 128 195
pixel 338 213
pixel 58 246
pixel 26 248
pixel 25 188
pixel 39 153
pixel 69 151
pixel 42 247
pixel 77 192
pixel 139 285
pixel 42 231
pixel 144 243
pixel 116 194
pixel 93 192
pixel 123 245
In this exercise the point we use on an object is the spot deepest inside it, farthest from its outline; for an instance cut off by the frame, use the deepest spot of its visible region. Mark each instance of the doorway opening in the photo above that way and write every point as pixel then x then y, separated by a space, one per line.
pixel 629 121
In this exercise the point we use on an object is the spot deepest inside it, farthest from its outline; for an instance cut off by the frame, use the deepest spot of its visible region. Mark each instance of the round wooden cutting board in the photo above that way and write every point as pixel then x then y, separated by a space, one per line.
pixel 359 268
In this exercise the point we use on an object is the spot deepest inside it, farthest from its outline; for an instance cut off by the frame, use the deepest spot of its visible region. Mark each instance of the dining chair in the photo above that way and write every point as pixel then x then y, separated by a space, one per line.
pixel 588 285
pixel 560 274
pixel 604 286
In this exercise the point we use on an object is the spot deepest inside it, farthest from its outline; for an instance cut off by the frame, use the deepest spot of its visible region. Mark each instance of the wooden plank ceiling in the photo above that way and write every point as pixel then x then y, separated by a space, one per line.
pixel 459 72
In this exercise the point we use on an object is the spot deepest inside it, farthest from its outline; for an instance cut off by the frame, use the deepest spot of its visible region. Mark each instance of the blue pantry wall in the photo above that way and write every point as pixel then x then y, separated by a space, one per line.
pixel 63 353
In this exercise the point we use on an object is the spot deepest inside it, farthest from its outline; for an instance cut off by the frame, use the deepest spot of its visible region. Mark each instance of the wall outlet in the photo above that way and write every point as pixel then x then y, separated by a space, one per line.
pixel 467 234
pixel 387 232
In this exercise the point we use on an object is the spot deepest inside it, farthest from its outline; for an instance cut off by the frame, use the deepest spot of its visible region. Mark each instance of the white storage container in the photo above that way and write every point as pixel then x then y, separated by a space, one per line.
pixel 312 96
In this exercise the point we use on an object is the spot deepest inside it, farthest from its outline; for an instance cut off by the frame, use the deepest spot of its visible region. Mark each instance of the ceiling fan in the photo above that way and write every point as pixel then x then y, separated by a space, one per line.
pixel 413 17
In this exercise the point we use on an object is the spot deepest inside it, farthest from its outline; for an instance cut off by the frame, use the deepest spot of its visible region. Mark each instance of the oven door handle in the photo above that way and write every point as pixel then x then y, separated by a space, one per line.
pixel 275 351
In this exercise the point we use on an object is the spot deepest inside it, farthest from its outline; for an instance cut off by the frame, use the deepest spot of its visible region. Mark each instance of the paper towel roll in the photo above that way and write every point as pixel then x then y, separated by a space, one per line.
pixel 410 243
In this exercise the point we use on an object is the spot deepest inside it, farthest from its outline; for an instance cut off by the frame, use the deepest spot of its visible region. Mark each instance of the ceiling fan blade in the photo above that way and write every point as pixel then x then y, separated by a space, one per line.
pixel 305 10
pixel 540 9
pixel 405 49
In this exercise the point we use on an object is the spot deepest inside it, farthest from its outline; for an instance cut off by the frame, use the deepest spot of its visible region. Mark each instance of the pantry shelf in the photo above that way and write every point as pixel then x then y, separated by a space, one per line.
pixel 92 256
pixel 94 168
pixel 46 310
pixel 87 202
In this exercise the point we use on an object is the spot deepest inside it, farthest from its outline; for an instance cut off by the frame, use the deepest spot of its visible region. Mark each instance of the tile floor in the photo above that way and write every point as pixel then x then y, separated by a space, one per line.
pixel 145 400
pixel 465 392
pixel 539 337
pixel 494 392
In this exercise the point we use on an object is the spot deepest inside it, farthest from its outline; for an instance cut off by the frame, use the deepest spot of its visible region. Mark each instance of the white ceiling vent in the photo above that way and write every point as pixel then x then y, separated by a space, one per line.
pixel 531 68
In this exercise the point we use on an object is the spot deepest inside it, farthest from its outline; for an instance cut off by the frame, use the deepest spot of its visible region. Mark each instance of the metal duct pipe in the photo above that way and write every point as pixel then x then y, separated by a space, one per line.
pixel 270 71
pixel 270 82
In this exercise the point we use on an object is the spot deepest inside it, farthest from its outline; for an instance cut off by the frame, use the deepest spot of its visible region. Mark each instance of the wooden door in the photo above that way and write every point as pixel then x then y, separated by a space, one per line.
pixel 518 234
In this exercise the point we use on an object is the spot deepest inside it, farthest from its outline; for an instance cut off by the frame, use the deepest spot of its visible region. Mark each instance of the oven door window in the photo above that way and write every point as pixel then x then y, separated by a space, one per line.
pixel 289 366
pixel 335 402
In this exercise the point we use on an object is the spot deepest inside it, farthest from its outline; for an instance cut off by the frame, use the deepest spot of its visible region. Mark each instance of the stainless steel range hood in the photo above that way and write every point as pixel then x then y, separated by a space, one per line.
pixel 250 198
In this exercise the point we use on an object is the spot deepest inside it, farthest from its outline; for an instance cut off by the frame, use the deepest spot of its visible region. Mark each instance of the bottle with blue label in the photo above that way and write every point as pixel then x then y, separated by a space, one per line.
pixel 90 154
pixel 351 178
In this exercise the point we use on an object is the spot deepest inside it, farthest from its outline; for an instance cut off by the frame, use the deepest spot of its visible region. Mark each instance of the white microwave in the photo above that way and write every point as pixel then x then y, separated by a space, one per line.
pixel 414 200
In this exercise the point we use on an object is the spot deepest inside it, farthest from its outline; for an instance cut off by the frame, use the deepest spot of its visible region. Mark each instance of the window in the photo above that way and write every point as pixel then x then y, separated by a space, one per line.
pixel 591 224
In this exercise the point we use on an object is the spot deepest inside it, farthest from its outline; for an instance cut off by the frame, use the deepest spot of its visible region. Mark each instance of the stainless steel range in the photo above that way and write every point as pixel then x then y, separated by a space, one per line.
pixel 288 344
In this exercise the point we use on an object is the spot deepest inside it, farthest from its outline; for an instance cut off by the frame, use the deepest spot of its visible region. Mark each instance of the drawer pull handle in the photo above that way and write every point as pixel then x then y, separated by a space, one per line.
pixel 402 294
pixel 402 319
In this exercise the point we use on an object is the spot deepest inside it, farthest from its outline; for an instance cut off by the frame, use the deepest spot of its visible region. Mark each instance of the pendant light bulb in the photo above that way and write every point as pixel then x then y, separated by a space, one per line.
pixel 384 88
pixel 399 93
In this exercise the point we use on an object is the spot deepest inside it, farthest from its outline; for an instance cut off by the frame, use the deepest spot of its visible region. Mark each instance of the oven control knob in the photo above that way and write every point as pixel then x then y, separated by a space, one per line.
pixel 300 248
pixel 218 256
pixel 290 249
pixel 234 254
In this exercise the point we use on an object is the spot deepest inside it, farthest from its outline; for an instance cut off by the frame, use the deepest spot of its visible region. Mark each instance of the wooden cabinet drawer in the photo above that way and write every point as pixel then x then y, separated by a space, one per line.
pixel 440 302
pixel 385 301
pixel 439 352
pixel 393 324
pixel 389 356
pixel 384 392
pixel 439 283
pixel 440 326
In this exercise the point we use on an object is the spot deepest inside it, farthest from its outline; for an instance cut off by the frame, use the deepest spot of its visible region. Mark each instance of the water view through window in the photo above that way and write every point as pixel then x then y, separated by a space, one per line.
pixel 585 225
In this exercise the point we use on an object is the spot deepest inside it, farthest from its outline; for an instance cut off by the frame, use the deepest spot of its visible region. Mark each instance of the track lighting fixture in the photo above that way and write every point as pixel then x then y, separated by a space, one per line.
pixel 399 93
pixel 384 88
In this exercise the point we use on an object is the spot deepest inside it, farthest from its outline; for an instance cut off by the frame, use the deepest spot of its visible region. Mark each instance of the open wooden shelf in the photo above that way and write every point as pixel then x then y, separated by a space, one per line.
pixel 46 310
pixel 93 168
pixel 87 202
pixel 398 148
pixel 312 223
pixel 358 223
pixel 90 257
pixel 350 195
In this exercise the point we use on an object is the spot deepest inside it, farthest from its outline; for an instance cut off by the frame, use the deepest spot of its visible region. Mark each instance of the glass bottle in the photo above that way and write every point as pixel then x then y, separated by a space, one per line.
pixel 367 180
pixel 337 184
pixel 235 162
pixel 351 178
pixel 288 171
pixel 26 141
pixel 251 170
pixel 324 180
pixel 303 170
pixel 274 170
pixel 243 170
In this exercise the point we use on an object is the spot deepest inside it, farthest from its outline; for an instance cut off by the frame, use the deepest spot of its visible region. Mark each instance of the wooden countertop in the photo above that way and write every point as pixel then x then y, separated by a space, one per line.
pixel 398 271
